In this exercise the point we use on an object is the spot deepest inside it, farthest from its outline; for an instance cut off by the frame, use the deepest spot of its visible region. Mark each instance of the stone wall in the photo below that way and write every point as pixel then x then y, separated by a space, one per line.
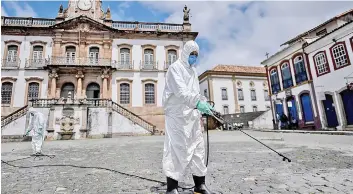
pixel 154 115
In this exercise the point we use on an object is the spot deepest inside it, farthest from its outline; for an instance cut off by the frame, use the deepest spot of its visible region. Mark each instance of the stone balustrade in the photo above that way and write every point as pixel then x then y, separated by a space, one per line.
pixel 80 61
pixel 120 25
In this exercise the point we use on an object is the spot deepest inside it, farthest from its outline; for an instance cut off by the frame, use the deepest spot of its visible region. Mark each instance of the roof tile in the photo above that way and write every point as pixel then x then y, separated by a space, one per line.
pixel 239 69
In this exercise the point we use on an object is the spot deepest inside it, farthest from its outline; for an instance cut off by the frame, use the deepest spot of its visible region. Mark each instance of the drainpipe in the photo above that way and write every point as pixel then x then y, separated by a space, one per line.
pixel 270 95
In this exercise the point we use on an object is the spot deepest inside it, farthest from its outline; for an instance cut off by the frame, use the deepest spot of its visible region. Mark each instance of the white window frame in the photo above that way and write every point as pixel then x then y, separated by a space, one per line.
pixel 224 96
pixel 172 57
pixel 321 63
pixel 254 108
pixel 251 92
pixel 339 54
pixel 124 95
pixel 225 109
pixel 240 97
pixel 242 107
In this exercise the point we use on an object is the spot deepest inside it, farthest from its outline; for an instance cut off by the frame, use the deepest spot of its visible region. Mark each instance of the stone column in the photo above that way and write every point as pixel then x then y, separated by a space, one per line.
pixel 235 93
pixel 105 77
pixel 79 77
pixel 53 75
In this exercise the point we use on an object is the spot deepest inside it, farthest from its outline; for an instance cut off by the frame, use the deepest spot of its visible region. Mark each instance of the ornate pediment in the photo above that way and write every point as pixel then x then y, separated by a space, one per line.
pixel 83 24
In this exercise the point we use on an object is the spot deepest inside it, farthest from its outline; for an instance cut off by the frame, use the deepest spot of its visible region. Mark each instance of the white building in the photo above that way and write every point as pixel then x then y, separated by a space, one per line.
pixel 331 61
pixel 236 89
pixel 291 76
pixel 84 54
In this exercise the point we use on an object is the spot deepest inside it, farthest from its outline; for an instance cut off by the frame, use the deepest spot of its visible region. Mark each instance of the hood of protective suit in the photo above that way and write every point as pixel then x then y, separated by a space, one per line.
pixel 189 47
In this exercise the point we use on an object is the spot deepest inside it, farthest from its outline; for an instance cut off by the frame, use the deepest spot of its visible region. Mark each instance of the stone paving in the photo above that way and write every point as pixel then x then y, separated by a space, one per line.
pixel 238 164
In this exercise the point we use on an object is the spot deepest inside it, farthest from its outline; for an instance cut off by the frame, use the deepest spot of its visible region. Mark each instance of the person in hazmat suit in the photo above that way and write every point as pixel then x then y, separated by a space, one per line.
pixel 37 125
pixel 183 105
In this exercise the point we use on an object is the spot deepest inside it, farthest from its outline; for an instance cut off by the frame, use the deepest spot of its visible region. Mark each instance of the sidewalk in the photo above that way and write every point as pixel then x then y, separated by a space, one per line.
pixel 307 131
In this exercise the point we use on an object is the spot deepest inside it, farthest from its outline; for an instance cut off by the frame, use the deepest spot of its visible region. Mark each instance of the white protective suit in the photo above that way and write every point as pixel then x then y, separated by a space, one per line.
pixel 37 125
pixel 184 143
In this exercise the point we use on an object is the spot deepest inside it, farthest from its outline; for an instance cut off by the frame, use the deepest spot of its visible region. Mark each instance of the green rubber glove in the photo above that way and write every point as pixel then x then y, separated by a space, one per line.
pixel 204 107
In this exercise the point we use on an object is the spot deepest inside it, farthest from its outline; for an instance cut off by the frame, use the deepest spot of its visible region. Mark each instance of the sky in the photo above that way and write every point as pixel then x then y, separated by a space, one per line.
pixel 230 32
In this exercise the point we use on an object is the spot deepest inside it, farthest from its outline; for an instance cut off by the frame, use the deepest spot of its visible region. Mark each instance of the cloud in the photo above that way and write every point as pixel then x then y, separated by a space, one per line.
pixel 242 32
pixel 119 14
pixel 20 11
pixel 3 11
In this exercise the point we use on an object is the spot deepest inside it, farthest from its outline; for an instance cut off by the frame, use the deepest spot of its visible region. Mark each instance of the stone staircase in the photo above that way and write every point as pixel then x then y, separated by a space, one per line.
pixel 19 115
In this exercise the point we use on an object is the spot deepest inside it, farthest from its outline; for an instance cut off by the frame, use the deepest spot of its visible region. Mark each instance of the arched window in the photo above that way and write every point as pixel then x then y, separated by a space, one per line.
pixel 12 55
pixel 149 59
pixel 300 71
pixel 254 108
pixel 33 90
pixel 124 93
pixel 125 57
pixel 93 55
pixel 6 93
pixel 172 57
pixel 339 55
pixel 286 75
pixel 225 109
pixel 70 54
pixel 274 81
pixel 321 63
pixel 37 54
pixel 93 90
pixel 149 94
pixel 68 89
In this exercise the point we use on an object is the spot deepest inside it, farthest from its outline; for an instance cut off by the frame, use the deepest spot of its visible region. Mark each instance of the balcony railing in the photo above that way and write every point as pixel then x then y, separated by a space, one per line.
pixel 20 21
pixel 124 65
pixel 301 77
pixel 14 62
pixel 79 61
pixel 142 26
pixel 287 83
pixel 36 63
pixel 149 65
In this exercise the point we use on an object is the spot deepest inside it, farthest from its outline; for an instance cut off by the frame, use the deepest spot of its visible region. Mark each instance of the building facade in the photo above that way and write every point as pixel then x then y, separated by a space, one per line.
pixel 330 58
pixel 84 54
pixel 236 89
pixel 290 75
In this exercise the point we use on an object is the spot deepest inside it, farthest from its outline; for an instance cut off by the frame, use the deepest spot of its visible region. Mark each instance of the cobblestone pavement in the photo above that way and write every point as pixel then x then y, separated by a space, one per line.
pixel 238 164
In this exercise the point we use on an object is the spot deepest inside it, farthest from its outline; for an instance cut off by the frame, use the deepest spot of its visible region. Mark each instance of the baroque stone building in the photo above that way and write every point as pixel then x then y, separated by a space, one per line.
pixel 84 59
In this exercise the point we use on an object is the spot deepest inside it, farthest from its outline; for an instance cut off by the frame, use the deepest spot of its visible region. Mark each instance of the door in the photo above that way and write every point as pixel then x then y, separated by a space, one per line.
pixel 330 111
pixel 307 108
pixel 279 109
pixel 347 99
pixel 93 90
pixel 292 109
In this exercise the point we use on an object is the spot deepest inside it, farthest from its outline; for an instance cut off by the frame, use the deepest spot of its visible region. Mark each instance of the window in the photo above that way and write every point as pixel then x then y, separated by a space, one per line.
pixel 33 90
pixel 253 95
pixel 254 108
pixel 205 93
pixel 268 107
pixel 300 71
pixel 37 54
pixel 70 54
pixel 149 94
pixel 124 93
pixel 225 109
pixel 172 57
pixel 340 56
pixel 267 97
pixel 286 75
pixel 148 57
pixel 6 93
pixel 68 89
pixel 321 64
pixel 224 94
pixel 93 90
pixel 125 57
pixel 12 53
pixel 240 94
pixel 93 55
pixel 242 109
pixel 274 81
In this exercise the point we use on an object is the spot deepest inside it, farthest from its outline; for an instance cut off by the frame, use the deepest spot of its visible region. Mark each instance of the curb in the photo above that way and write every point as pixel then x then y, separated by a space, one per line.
pixel 349 133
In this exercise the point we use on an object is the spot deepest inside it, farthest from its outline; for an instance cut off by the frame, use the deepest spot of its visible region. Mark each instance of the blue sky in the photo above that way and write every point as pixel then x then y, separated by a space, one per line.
pixel 232 32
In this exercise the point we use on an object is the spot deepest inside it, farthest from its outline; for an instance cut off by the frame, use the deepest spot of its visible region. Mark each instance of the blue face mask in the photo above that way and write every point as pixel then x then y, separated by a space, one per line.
pixel 192 59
